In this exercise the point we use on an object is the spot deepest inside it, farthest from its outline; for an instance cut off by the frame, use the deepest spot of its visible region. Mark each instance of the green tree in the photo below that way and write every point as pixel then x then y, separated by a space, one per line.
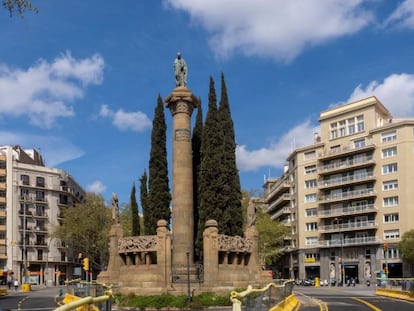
pixel 196 147
pixel 159 196
pixel 406 247
pixel 85 230
pixel 125 219
pixel 210 170
pixel 134 213
pixel 19 5
pixel 144 201
pixel 231 202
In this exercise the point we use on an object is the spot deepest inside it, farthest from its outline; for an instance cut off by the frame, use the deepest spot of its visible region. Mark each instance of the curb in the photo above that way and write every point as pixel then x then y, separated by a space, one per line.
pixel 393 293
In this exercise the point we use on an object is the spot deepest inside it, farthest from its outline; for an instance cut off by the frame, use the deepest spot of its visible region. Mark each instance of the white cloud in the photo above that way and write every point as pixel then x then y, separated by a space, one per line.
pixel 54 150
pixel 43 92
pixel 276 154
pixel 134 121
pixel 402 16
pixel 274 29
pixel 396 92
pixel 96 187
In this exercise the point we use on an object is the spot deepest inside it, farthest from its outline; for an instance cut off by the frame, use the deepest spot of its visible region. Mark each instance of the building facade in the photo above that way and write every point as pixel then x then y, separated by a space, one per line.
pixel 32 200
pixel 347 197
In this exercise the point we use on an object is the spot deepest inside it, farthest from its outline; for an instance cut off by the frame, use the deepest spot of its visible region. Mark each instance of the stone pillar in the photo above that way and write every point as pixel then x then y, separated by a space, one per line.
pixel 181 103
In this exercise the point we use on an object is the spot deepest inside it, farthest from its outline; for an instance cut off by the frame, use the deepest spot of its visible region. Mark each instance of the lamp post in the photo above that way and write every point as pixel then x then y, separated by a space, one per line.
pixel 337 220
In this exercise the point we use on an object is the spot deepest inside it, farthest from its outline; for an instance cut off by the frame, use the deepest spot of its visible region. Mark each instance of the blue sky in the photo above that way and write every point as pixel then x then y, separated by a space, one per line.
pixel 80 79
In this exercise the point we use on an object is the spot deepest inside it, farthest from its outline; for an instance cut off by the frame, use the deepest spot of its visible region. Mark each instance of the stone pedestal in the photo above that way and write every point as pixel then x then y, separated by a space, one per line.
pixel 181 103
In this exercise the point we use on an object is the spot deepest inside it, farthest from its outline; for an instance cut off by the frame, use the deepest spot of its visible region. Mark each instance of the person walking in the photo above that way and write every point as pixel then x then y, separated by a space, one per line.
pixel 9 281
pixel 16 284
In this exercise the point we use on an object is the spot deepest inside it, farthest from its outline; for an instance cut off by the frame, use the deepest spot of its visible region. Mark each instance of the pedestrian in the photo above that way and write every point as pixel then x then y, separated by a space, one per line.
pixel 16 284
pixel 9 281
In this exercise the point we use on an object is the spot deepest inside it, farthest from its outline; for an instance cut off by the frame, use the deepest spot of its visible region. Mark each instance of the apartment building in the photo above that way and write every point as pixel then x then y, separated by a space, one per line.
pixel 348 196
pixel 32 198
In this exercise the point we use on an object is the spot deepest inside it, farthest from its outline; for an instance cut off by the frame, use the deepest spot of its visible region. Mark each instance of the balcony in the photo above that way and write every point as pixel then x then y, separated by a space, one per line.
pixel 350 242
pixel 40 215
pixel 280 201
pixel 351 179
pixel 348 226
pixel 284 210
pixel 349 210
pixel 2 213
pixel 347 195
pixel 2 185
pixel 278 188
pixel 346 165
pixel 345 150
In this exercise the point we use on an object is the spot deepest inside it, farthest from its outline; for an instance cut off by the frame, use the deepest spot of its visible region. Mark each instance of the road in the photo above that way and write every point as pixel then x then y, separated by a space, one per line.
pixel 39 299
pixel 359 298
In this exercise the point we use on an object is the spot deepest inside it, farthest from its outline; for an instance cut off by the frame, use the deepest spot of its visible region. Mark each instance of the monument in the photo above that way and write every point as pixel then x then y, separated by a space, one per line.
pixel 164 263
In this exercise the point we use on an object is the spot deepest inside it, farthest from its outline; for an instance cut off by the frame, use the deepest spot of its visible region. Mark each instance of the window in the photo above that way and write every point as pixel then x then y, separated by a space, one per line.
pixel 311 212
pixel 333 134
pixel 360 123
pixel 388 136
pixel 310 198
pixel 310 169
pixel 389 168
pixel 25 180
pixel 311 240
pixel 389 152
pixel 393 217
pixel 359 143
pixel 311 226
pixel 390 201
pixel 393 253
pixel 63 199
pixel 40 195
pixel 309 155
pixel 391 234
pixel 390 185
pixel 40 182
pixel 311 183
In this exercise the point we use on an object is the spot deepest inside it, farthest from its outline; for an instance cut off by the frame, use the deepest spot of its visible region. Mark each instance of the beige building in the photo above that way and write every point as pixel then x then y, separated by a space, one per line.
pixel 347 196
pixel 32 198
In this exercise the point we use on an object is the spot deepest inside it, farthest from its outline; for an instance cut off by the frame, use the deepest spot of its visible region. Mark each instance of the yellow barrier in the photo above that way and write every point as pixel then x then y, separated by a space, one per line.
pixel 26 287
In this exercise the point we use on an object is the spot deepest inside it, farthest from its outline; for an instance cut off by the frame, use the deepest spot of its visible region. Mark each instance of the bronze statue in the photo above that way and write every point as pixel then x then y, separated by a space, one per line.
pixel 180 71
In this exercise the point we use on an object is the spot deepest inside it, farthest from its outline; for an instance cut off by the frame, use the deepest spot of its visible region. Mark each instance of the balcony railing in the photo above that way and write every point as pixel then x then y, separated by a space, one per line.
pixel 355 225
pixel 278 187
pixel 345 164
pixel 347 195
pixel 367 208
pixel 348 242
pixel 280 212
pixel 277 202
pixel 345 149
pixel 346 180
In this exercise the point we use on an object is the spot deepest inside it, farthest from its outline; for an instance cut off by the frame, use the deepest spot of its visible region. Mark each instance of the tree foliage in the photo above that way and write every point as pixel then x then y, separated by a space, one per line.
pixel 85 229
pixel 196 147
pixel 18 5
pixel 159 196
pixel 134 213
pixel 144 201
pixel 406 246
pixel 230 204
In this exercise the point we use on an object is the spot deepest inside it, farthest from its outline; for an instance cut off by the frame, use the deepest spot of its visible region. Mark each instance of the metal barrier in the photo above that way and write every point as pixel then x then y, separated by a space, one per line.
pixel 257 299
pixel 86 296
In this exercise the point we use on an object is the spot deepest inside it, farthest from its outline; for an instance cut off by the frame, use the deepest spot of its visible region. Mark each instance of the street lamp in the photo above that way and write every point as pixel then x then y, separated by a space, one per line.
pixel 337 220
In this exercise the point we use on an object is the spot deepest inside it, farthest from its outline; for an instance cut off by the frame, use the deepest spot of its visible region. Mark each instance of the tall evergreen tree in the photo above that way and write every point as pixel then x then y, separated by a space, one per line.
pixel 231 203
pixel 210 169
pixel 143 189
pixel 134 213
pixel 196 147
pixel 159 196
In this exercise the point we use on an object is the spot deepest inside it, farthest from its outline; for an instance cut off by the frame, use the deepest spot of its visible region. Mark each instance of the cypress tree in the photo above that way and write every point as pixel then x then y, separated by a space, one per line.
pixel 196 147
pixel 159 196
pixel 210 169
pixel 134 213
pixel 231 203
pixel 143 188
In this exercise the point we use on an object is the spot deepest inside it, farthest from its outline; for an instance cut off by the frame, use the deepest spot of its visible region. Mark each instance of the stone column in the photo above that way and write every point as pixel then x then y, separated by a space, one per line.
pixel 181 103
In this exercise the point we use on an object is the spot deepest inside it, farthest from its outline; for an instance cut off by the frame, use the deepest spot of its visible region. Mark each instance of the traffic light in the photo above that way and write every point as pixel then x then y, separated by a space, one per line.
pixel 385 246
pixel 85 262
pixel 386 270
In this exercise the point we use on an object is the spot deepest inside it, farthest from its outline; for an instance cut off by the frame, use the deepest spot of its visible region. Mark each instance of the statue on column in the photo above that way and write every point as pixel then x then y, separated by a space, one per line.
pixel 115 208
pixel 180 71
pixel 251 215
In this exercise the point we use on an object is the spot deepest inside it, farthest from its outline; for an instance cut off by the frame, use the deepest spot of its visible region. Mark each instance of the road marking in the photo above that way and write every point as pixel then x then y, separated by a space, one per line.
pixel 367 304
pixel 322 305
